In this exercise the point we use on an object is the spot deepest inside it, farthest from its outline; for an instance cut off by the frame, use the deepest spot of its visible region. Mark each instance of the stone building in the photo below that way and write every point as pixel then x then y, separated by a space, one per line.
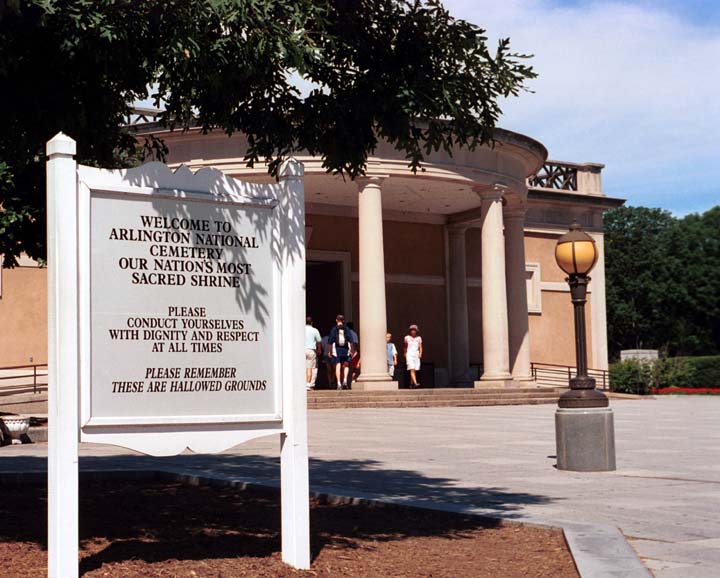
pixel 463 248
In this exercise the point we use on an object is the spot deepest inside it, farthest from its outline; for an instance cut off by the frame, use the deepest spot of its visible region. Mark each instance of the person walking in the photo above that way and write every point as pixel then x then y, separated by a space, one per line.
pixel 312 350
pixel 392 355
pixel 327 361
pixel 413 354
pixel 354 365
pixel 342 347
pixel 354 339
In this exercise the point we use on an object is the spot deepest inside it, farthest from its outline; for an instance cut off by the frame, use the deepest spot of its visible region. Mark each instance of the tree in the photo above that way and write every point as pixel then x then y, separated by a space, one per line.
pixel 693 245
pixel 399 70
pixel 663 286
pixel 636 280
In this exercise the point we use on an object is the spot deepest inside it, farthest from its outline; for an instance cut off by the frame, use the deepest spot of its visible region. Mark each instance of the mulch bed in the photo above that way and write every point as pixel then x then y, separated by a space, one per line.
pixel 149 529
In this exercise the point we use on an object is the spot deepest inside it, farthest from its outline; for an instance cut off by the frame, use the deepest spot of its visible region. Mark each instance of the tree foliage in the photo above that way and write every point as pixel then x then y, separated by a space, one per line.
pixel 399 70
pixel 663 281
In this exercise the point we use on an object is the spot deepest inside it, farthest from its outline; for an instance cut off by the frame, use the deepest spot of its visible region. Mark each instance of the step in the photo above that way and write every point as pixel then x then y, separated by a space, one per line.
pixel 404 394
pixel 433 399
pixel 432 391
pixel 428 404
pixel 24 403
pixel 438 399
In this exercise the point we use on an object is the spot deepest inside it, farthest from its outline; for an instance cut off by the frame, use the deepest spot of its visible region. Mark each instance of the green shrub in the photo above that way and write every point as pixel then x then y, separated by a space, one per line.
pixel 706 371
pixel 630 376
pixel 671 372
pixel 639 377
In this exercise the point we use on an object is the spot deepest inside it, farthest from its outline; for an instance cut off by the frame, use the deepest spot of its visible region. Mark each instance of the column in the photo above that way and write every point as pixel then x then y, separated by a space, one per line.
pixel 516 278
pixel 458 306
pixel 496 354
pixel 373 309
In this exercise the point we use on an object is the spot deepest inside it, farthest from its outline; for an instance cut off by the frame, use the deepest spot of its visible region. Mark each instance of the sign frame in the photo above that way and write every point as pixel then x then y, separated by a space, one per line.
pixel 70 189
pixel 182 186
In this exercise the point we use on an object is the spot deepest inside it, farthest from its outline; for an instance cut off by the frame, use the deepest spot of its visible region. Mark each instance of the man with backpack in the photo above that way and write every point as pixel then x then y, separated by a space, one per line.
pixel 342 349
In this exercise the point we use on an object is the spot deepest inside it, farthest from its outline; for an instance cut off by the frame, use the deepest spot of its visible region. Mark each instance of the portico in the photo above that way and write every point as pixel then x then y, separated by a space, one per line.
pixel 506 347
pixel 456 200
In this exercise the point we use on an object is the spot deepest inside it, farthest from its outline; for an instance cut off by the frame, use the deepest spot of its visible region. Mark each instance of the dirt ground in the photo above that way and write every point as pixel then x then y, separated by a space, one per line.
pixel 148 529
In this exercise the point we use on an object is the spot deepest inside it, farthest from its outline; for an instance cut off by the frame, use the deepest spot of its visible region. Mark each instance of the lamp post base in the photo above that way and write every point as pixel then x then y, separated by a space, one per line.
pixel 585 439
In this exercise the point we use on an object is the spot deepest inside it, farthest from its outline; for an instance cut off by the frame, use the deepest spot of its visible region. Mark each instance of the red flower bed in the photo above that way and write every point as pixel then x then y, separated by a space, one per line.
pixel 686 390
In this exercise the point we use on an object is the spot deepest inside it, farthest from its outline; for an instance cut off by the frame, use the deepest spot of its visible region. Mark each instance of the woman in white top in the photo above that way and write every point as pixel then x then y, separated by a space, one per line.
pixel 413 354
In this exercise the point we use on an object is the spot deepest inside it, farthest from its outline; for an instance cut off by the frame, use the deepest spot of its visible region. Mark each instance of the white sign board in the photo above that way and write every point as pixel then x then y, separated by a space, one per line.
pixel 176 316
pixel 182 312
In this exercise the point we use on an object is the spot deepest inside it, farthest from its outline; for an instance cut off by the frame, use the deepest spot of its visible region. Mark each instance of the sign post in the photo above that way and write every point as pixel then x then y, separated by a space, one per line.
pixel 176 308
pixel 63 352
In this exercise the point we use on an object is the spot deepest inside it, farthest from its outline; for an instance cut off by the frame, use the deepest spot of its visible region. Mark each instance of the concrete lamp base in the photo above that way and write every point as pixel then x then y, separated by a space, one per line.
pixel 585 439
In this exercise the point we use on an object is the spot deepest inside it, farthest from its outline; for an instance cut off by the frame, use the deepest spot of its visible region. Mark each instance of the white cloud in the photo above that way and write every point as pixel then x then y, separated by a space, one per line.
pixel 624 84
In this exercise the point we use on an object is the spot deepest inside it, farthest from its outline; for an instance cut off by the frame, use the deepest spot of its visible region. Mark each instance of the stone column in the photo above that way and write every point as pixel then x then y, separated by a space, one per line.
pixel 496 354
pixel 373 310
pixel 458 306
pixel 516 277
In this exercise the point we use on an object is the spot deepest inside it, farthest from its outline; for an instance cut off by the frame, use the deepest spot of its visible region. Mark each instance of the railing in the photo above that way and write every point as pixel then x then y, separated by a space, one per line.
pixel 16 379
pixel 555 175
pixel 142 115
pixel 554 375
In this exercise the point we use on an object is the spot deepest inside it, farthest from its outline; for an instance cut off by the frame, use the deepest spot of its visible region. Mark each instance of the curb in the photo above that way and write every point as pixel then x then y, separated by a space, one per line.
pixel 602 551
pixel 598 550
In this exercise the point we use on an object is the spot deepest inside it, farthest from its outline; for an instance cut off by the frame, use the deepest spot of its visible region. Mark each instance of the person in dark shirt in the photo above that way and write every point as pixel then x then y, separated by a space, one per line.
pixel 342 347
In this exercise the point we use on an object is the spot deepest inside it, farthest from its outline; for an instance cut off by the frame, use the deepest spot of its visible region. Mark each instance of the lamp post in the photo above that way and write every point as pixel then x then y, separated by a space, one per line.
pixel 584 425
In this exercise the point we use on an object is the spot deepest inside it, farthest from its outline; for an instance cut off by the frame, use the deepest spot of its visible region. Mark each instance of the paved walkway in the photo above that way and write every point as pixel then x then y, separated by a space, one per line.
pixel 665 495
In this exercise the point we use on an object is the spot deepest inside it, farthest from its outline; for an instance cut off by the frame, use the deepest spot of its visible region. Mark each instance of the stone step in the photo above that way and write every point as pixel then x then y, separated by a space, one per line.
pixel 431 392
pixel 441 398
pixel 431 403
pixel 25 403
pixel 427 399
pixel 434 391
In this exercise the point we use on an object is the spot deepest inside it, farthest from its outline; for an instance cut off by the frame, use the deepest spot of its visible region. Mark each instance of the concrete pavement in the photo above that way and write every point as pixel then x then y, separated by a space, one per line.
pixel 499 461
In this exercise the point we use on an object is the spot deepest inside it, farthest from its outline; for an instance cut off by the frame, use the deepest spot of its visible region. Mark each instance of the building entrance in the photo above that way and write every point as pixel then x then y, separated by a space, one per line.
pixel 323 301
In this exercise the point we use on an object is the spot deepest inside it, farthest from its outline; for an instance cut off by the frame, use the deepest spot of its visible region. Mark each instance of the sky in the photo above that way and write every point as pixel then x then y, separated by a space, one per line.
pixel 632 84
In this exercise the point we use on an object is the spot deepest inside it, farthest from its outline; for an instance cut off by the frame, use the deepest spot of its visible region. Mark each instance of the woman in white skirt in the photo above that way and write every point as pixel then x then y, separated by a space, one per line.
pixel 413 354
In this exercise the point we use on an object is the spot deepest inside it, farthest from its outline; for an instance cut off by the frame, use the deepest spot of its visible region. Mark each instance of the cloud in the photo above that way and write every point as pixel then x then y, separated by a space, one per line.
pixel 622 83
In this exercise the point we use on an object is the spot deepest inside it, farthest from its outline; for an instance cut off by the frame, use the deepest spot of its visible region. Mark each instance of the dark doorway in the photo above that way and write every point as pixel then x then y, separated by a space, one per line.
pixel 323 301
pixel 324 296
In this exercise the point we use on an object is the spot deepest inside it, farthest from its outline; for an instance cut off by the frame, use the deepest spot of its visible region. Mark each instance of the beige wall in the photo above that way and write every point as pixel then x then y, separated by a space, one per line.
pixel 334 234
pixel 23 316
pixel 414 248
pixel 410 248
pixel 552 334
pixel 540 248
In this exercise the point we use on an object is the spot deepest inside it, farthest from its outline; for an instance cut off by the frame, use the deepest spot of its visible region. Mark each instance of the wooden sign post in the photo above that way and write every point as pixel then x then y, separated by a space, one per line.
pixel 176 308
